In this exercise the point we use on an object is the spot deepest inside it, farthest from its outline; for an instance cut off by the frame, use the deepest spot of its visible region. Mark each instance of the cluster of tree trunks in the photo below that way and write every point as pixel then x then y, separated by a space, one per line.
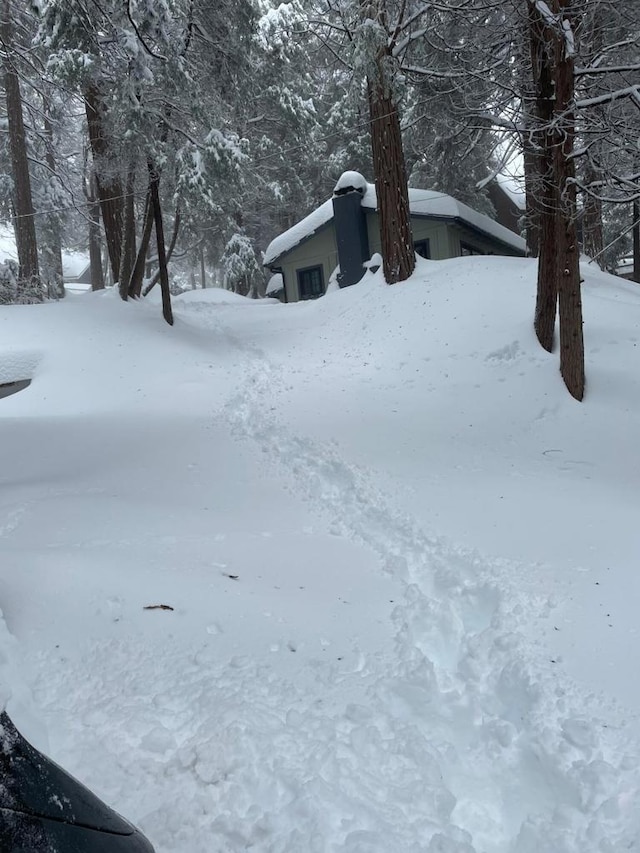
pixel 118 210
pixel 552 59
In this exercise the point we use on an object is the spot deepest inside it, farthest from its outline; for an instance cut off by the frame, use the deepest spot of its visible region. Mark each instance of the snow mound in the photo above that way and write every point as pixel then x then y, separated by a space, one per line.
pixel 350 181
pixel 212 295
pixel 398 565
pixel 18 364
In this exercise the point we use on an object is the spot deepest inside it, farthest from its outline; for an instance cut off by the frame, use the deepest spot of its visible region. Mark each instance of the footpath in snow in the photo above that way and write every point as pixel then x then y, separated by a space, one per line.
pixel 368 515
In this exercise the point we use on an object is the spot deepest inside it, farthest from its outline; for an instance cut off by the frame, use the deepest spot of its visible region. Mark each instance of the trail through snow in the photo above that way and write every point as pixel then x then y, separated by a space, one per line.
pixel 333 678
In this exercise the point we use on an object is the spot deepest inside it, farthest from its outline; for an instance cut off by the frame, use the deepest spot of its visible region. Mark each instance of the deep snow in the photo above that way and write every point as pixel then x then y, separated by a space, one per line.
pixel 402 562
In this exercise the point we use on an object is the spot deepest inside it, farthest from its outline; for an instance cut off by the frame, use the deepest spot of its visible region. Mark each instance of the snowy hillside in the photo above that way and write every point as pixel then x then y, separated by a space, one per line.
pixel 401 562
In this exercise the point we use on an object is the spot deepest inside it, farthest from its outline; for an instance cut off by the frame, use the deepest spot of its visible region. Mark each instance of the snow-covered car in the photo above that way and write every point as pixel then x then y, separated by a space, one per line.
pixel 45 810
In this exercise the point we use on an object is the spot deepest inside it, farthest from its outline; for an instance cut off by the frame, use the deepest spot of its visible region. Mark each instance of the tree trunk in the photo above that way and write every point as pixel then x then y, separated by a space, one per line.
pixel 53 246
pixel 137 274
pixel 568 256
pixel 398 256
pixel 128 258
pixel 168 253
pixel 203 273
pixel 154 180
pixel 636 241
pixel 389 168
pixel 23 219
pixel 95 252
pixel 542 62
pixel 109 185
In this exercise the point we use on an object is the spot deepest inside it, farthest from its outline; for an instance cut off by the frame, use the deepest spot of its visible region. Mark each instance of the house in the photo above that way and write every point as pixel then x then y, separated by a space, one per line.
pixel 76 269
pixel 509 201
pixel 344 232
pixel 626 269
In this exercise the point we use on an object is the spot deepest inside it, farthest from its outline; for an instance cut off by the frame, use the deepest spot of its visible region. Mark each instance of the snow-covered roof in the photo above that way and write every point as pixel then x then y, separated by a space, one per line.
pixel 300 231
pixel 427 203
pixel 73 263
pixel 514 189
pixel 443 206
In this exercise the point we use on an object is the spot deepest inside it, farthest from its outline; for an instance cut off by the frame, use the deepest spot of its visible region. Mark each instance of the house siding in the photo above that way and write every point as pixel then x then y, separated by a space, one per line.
pixel 460 234
pixel 319 250
pixel 423 229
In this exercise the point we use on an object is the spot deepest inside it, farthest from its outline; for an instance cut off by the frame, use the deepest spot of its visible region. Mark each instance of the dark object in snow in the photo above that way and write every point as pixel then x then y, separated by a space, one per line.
pixel 352 239
pixel 9 388
pixel 45 810
pixel 157 607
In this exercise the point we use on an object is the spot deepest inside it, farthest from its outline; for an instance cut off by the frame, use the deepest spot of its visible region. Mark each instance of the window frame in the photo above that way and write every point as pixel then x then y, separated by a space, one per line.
pixel 471 251
pixel 299 276
pixel 426 242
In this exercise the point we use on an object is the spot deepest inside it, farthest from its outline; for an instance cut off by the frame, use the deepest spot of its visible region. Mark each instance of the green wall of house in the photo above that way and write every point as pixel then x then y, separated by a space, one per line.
pixel 321 250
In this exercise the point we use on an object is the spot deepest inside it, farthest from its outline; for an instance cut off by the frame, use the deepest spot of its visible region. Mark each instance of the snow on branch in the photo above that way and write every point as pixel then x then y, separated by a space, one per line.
pixel 545 13
pixel 632 92
pixel 569 39
pixel 556 22
pixel 604 69
pixel 402 45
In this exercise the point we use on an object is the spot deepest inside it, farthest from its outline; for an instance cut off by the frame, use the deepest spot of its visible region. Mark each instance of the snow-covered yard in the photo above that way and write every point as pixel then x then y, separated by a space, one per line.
pixel 402 564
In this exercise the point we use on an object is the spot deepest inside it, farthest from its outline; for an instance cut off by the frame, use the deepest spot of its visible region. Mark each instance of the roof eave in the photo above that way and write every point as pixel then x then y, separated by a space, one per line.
pixel 460 220
pixel 274 261
pixel 488 235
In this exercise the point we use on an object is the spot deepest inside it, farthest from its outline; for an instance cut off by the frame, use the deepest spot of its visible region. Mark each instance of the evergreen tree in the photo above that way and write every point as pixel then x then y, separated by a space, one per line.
pixel 22 197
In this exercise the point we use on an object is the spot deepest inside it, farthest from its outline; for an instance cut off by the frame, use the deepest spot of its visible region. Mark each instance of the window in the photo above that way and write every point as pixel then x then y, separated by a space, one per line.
pixel 310 283
pixel 422 248
pixel 468 249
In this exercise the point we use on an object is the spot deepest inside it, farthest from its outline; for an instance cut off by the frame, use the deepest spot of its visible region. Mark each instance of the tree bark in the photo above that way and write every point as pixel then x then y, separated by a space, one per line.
pixel 568 256
pixel 154 180
pixel 636 241
pixel 389 168
pixel 128 259
pixel 169 251
pixel 53 247
pixel 398 256
pixel 23 218
pixel 95 252
pixel 542 62
pixel 109 184
pixel 137 274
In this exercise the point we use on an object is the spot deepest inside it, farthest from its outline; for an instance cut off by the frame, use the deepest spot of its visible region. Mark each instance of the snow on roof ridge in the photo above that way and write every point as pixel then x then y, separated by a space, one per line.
pixel 351 180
